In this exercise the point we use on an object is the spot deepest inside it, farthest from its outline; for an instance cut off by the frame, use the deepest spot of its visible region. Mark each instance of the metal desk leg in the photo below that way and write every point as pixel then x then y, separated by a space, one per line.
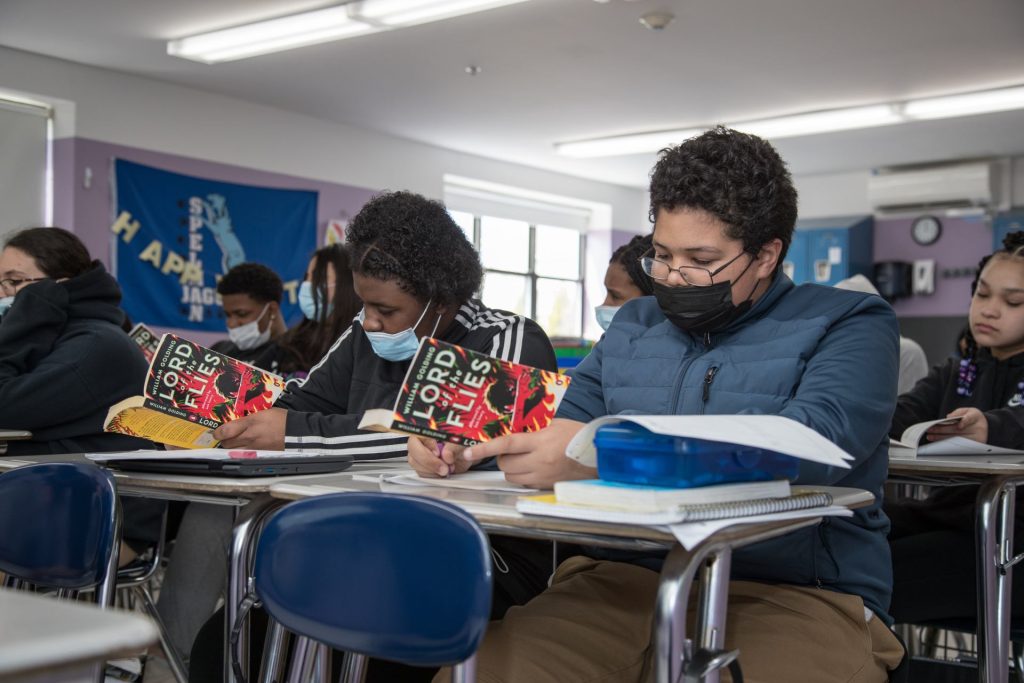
pixel 996 503
pixel 713 604
pixel 674 652
pixel 248 523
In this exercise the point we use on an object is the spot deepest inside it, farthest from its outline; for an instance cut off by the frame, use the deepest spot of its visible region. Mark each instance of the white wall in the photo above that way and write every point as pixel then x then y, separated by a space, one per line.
pixel 843 194
pixel 833 194
pixel 129 110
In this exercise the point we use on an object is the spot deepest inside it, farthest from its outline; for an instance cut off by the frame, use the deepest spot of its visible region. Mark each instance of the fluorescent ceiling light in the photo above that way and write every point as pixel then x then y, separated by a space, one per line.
pixel 965 105
pixel 822 122
pixel 320 26
pixel 811 123
pixel 619 145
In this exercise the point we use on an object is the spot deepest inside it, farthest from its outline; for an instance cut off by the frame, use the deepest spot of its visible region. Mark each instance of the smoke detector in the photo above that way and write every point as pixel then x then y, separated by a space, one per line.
pixel 656 21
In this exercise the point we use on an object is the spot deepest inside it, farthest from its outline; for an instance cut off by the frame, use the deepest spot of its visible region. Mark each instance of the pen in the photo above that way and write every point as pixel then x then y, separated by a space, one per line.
pixel 440 450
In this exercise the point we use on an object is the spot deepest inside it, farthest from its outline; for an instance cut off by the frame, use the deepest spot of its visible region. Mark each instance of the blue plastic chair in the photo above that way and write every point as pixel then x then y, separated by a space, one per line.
pixel 387 576
pixel 60 528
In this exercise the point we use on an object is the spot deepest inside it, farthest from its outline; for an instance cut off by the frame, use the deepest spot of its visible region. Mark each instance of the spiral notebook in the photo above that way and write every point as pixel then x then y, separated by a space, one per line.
pixel 549 506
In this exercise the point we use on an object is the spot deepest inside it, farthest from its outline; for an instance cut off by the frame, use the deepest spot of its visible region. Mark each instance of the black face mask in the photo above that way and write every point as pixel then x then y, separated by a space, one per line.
pixel 701 310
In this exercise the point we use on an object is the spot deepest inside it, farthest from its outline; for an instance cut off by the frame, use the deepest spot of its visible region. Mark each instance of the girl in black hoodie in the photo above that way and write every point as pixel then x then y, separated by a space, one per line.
pixel 932 540
pixel 64 358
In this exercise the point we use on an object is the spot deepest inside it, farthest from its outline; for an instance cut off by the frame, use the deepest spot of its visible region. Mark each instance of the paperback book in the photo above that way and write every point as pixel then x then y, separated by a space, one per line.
pixel 146 340
pixel 912 443
pixel 549 505
pixel 189 392
pixel 466 397
pixel 638 498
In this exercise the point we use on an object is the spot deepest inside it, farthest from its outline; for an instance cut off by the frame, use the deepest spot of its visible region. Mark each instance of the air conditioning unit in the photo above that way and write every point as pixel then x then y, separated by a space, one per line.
pixel 935 187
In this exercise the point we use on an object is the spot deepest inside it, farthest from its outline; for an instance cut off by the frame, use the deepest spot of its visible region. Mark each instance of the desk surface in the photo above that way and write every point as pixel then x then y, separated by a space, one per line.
pixel 171 483
pixel 39 634
pixel 979 465
pixel 496 510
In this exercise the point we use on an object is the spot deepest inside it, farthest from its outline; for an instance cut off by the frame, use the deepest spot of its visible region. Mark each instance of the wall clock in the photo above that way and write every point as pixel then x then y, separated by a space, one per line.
pixel 926 230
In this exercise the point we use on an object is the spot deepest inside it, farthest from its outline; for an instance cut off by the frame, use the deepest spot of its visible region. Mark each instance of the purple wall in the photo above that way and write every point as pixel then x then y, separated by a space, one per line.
pixel 86 207
pixel 621 237
pixel 962 244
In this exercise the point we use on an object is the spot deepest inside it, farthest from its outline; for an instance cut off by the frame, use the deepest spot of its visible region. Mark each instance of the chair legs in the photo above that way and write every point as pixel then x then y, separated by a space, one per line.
pixel 465 672
pixel 1018 659
pixel 353 668
pixel 142 594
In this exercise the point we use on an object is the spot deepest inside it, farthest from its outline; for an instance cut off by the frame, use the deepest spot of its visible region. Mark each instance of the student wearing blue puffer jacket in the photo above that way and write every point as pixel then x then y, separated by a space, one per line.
pixel 725 333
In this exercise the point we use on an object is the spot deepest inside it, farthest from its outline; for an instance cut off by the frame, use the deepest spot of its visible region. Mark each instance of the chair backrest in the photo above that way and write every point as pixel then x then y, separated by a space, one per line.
pixel 59 525
pixel 389 576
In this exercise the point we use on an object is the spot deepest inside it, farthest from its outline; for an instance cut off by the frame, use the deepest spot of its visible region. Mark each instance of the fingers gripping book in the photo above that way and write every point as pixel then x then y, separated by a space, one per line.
pixel 465 397
pixel 189 392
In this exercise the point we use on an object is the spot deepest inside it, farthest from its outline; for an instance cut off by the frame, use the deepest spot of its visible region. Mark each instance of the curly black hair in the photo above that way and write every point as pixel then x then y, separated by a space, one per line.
pixel 255 279
pixel 1013 246
pixel 628 256
pixel 406 237
pixel 738 178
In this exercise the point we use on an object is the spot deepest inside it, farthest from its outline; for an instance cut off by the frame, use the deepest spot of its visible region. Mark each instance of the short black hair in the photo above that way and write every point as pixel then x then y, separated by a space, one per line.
pixel 255 279
pixel 628 256
pixel 736 177
pixel 406 237
pixel 57 252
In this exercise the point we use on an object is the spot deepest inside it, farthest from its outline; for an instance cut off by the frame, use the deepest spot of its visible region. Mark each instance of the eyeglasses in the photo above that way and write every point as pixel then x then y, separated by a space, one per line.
pixel 692 275
pixel 10 285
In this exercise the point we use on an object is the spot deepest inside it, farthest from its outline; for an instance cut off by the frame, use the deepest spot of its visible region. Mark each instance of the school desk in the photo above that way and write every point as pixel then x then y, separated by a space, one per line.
pixel 709 561
pixel 997 478
pixel 43 639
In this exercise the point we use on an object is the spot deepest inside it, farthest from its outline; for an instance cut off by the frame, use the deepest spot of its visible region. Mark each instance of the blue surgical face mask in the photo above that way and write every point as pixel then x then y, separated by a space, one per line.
pixel 5 304
pixel 400 345
pixel 308 301
pixel 604 315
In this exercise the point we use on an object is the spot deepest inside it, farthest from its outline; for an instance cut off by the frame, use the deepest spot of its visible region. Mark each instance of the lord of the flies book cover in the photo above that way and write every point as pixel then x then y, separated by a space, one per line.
pixel 466 397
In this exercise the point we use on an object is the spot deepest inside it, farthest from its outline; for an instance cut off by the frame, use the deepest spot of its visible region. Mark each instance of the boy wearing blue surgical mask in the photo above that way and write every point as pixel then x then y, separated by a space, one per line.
pixel 417 276
pixel 251 299
pixel 624 279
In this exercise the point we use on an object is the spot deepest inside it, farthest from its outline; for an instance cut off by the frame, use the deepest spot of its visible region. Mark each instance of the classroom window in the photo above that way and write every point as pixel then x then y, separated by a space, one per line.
pixel 24 165
pixel 532 269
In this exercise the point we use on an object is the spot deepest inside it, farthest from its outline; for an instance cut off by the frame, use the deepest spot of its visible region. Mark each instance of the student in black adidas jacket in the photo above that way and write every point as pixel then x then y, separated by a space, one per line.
pixel 416 273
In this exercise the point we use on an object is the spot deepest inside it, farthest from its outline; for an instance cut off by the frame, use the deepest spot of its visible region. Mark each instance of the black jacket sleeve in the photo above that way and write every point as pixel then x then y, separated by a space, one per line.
pixel 31 327
pixel 41 382
pixel 1006 427
pixel 924 401
pixel 318 410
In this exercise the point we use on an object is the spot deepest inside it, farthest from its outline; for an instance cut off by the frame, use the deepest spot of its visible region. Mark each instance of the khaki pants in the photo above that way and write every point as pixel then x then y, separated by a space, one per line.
pixel 594 625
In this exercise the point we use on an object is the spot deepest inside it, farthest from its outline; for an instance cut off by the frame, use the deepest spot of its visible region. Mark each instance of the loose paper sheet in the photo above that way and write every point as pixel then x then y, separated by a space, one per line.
pixel 771 432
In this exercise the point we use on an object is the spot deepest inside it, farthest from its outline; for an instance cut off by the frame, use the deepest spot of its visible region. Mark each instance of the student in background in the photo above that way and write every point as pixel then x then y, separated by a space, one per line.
pixel 251 299
pixel 933 540
pixel 196 574
pixel 726 332
pixel 624 279
pixel 329 304
pixel 64 358
pixel 417 275
pixel 913 363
